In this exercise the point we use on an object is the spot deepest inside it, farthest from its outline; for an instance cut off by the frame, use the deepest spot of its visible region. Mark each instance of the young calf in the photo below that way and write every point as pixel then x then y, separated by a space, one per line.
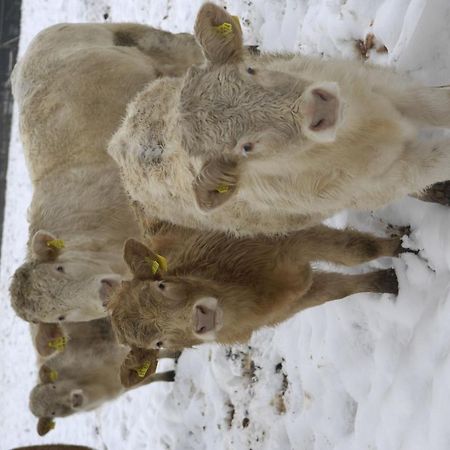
pixel 213 287
pixel 91 370
pixel 276 143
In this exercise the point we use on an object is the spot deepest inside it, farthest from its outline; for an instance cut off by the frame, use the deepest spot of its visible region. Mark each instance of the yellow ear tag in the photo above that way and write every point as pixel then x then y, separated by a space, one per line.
pixel 142 371
pixel 53 375
pixel 222 188
pixel 224 28
pixel 56 243
pixel 51 425
pixel 162 262
pixel 58 344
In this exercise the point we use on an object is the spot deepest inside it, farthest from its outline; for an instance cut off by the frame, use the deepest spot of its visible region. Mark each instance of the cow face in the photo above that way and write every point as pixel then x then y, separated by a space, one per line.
pixel 156 310
pixel 236 114
pixel 60 284
pixel 56 399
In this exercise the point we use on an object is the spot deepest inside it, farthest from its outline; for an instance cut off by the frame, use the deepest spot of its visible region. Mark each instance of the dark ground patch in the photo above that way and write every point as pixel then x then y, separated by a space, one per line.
pixel 9 42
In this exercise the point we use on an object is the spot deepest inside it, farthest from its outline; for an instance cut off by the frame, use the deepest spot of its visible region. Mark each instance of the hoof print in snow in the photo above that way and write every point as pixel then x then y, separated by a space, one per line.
pixel 278 401
pixel 230 414
pixel 363 46
pixel 245 422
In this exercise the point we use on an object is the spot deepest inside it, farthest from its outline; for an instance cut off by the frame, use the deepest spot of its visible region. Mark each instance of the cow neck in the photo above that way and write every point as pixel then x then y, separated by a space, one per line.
pixel 99 212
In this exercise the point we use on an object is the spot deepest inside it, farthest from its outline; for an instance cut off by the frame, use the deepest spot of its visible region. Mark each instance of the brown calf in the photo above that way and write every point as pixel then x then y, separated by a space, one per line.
pixel 213 287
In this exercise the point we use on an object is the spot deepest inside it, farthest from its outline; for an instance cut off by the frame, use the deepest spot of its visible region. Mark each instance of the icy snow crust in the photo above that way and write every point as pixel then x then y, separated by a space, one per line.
pixel 365 373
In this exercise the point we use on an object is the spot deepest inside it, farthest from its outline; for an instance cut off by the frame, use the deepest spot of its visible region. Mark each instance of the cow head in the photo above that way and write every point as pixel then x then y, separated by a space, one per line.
pixel 249 115
pixel 61 284
pixel 159 310
pixel 54 398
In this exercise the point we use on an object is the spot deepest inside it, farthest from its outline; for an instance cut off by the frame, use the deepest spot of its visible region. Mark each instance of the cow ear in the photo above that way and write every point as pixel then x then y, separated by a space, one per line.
pixel 219 35
pixel 47 375
pixel 137 366
pixel 47 333
pixel 216 183
pixel 45 246
pixel 44 425
pixel 142 262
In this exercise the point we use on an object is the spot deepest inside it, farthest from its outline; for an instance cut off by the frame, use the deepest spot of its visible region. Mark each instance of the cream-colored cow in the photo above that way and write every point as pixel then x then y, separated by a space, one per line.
pixel 72 87
pixel 276 143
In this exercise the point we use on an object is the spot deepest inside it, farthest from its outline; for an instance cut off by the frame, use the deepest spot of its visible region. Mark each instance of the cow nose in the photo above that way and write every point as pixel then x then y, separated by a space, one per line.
pixel 205 319
pixel 324 110
pixel 321 112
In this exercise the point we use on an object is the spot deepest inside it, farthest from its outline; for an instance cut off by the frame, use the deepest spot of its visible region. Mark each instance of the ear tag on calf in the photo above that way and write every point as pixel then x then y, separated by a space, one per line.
pixel 56 243
pixel 222 188
pixel 224 28
pixel 142 371
pixel 51 425
pixel 161 263
pixel 58 343
pixel 53 375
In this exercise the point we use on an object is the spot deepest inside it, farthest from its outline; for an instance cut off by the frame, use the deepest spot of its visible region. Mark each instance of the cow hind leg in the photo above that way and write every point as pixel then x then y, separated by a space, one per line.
pixel 167 48
pixel 436 193
pixel 327 286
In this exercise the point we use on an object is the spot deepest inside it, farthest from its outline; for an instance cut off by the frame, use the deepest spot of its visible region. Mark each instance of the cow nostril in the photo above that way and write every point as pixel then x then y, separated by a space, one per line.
pixel 61 318
pixel 318 124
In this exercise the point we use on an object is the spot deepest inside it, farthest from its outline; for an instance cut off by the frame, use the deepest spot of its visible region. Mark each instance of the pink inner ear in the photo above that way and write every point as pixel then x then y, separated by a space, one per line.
pixel 40 248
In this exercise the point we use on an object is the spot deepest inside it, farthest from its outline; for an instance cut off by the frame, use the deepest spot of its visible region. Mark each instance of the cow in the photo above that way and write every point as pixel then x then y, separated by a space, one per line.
pixel 72 87
pixel 89 370
pixel 191 287
pixel 276 143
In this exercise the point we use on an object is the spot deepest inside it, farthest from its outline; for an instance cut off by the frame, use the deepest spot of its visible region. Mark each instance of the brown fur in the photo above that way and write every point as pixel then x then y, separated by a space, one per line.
pixel 256 282
pixel 294 176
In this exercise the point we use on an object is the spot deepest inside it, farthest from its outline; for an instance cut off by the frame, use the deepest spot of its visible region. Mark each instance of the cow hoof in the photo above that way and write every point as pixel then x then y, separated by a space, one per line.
pixel 387 282
pixel 437 193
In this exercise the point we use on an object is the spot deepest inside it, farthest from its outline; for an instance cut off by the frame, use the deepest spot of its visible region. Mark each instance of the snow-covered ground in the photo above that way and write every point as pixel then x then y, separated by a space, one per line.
pixel 365 373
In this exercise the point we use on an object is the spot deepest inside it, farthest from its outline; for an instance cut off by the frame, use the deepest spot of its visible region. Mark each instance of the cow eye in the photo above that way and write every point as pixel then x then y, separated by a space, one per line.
pixel 159 344
pixel 53 413
pixel 247 147
pixel 251 70
pixel 161 285
pixel 60 269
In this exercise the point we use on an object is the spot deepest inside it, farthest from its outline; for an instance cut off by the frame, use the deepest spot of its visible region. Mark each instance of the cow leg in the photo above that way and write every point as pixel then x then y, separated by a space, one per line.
pixel 425 105
pixel 173 354
pixel 167 48
pixel 347 247
pixel 327 286
pixel 422 165
pixel 169 375
pixel 436 193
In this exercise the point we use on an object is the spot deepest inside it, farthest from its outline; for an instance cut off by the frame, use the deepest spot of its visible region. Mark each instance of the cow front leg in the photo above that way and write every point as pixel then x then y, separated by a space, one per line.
pixel 327 286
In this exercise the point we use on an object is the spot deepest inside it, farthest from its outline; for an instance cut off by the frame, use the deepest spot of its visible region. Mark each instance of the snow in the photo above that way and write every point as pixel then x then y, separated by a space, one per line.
pixel 370 372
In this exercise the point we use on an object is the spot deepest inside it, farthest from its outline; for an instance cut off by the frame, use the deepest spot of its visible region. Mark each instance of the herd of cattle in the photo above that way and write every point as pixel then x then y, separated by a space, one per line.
pixel 179 183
